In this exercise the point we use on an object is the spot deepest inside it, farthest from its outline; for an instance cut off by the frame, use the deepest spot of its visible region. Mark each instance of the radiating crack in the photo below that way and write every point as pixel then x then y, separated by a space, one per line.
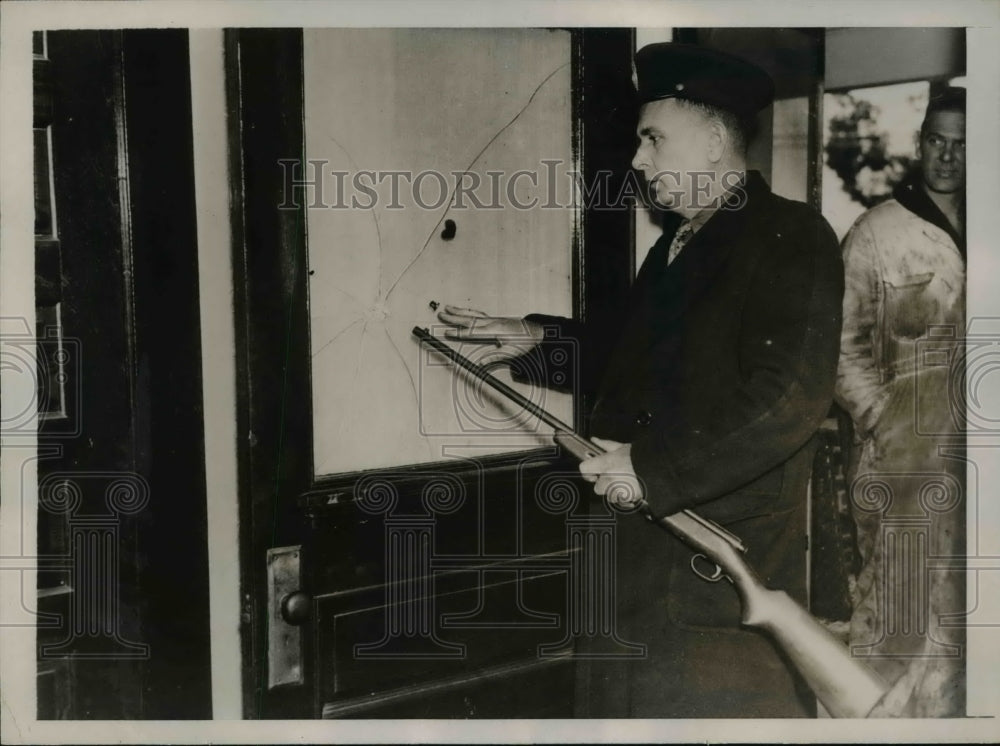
pixel 413 385
pixel 466 170
pixel 374 214
pixel 357 372
pixel 339 334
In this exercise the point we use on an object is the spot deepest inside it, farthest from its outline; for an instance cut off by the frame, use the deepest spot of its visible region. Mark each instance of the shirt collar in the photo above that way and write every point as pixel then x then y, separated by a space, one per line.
pixel 706 213
pixel 911 195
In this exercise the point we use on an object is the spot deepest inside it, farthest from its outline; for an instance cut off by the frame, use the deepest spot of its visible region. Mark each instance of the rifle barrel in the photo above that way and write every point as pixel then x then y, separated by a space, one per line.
pixel 486 377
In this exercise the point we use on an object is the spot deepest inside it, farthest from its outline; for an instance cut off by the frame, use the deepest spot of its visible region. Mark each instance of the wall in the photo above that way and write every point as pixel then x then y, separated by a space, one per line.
pixel 215 275
pixel 873 56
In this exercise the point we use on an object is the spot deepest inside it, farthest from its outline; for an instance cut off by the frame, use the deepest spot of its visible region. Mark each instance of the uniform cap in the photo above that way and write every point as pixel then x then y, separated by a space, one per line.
pixel 704 75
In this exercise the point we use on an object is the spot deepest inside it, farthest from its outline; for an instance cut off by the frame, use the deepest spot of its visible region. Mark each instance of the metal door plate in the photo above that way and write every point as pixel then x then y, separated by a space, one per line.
pixel 284 641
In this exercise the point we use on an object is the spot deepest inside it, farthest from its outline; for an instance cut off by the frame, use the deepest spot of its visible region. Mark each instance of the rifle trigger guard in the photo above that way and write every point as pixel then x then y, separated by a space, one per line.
pixel 715 577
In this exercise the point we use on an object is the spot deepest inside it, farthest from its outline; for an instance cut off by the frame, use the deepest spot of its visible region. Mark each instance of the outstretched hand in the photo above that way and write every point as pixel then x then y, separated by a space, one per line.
pixel 468 324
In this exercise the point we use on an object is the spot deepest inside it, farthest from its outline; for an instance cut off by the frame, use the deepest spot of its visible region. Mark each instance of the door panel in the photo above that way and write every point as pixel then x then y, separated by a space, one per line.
pixel 430 595
pixel 365 655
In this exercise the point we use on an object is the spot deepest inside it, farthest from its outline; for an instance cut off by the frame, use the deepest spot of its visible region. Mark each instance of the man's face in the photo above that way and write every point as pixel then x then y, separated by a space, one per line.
pixel 672 152
pixel 942 152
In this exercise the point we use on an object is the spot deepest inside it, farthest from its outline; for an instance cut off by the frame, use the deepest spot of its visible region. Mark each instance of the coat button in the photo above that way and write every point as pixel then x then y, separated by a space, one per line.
pixel 643 418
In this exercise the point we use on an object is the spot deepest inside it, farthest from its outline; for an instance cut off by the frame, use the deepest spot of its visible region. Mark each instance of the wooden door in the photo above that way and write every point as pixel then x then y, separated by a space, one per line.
pixel 123 577
pixel 434 588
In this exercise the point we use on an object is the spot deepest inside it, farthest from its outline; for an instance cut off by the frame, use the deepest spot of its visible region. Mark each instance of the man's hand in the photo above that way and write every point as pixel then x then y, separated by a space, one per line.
pixel 613 475
pixel 516 335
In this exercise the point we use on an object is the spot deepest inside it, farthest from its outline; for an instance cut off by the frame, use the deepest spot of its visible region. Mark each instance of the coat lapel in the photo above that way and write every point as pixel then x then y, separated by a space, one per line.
pixel 693 271
pixel 665 292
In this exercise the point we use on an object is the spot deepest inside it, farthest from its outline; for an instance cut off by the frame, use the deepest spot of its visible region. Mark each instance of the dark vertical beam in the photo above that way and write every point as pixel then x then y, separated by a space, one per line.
pixel 604 115
pixel 814 144
pixel 168 412
pixel 264 79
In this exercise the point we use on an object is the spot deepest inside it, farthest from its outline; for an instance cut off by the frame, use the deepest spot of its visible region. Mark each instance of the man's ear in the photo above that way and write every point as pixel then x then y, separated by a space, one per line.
pixel 718 140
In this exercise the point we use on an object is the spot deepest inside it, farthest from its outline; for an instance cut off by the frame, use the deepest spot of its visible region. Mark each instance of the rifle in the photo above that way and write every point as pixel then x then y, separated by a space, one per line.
pixel 843 684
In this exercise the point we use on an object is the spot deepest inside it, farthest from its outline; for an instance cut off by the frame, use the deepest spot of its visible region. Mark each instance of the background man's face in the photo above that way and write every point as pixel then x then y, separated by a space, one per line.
pixel 942 152
pixel 672 151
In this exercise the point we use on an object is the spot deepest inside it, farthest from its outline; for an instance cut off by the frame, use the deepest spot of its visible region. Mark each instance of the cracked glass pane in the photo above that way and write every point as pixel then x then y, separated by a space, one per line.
pixel 443 166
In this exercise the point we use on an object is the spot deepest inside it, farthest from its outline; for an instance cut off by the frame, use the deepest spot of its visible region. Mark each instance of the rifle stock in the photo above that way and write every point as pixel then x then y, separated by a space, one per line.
pixel 845 686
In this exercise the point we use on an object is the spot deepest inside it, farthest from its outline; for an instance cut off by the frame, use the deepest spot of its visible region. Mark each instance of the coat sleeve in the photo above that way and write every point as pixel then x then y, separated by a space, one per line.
pixel 557 361
pixel 788 349
pixel 859 388
pixel 574 355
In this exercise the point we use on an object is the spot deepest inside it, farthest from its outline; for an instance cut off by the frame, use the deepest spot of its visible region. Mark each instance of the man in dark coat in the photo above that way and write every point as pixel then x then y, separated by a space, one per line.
pixel 712 389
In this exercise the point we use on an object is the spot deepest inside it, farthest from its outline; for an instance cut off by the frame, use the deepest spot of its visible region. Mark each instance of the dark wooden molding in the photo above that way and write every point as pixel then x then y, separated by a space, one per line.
pixel 605 114
pixel 274 402
pixel 167 407
pixel 814 143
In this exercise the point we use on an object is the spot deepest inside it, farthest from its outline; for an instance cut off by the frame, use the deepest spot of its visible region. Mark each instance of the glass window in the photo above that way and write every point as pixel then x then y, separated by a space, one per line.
pixel 869 146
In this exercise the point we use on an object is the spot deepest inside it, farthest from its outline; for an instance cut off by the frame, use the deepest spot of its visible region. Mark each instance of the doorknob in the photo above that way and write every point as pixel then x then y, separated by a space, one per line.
pixel 295 608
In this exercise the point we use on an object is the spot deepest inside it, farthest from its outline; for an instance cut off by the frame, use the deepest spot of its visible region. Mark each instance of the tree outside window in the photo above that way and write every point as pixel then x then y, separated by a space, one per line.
pixel 870 145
